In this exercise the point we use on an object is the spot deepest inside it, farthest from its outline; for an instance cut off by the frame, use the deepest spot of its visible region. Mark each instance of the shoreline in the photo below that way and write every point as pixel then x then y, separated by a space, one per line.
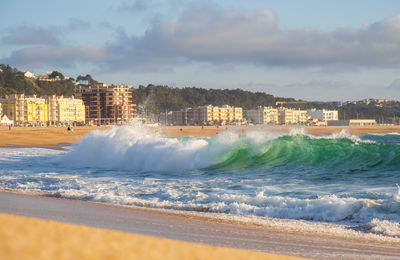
pixel 186 227
pixel 57 137
pixel 288 226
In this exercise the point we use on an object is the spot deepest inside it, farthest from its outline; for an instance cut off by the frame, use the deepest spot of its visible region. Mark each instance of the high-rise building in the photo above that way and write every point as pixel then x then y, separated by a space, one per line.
pixel 263 115
pixel 322 114
pixel 41 111
pixel 207 115
pixel 25 109
pixel 65 110
pixel 106 104
pixel 289 116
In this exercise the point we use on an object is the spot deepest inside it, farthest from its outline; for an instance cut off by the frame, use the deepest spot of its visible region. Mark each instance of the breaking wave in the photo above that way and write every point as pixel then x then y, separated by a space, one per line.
pixel 139 150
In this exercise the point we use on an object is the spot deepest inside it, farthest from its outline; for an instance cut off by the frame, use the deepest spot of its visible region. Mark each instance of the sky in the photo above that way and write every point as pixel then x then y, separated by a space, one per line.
pixel 307 49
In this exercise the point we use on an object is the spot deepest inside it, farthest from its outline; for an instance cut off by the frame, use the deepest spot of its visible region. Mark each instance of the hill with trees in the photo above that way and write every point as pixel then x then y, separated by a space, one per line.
pixel 156 99
pixel 12 81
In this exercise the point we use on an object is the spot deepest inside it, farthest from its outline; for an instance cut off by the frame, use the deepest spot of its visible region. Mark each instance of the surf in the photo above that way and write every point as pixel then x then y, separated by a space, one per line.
pixel 138 149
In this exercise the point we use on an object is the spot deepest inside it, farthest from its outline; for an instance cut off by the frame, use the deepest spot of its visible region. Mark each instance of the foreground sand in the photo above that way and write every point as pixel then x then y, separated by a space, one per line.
pixel 53 136
pixel 277 239
pixel 31 238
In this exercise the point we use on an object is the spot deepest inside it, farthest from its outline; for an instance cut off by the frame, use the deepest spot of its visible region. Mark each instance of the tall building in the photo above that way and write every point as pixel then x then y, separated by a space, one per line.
pixel 263 115
pixel 322 114
pixel 41 111
pixel 65 110
pixel 289 116
pixel 25 109
pixel 207 115
pixel 106 104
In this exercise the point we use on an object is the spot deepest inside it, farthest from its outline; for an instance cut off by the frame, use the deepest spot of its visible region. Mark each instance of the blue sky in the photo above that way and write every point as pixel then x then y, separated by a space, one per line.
pixel 313 50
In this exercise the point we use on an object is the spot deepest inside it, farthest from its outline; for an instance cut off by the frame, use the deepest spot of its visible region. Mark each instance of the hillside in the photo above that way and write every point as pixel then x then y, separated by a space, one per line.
pixel 12 81
pixel 156 99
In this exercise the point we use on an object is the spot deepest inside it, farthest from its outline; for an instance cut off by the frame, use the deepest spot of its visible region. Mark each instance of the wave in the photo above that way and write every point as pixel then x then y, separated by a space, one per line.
pixel 137 149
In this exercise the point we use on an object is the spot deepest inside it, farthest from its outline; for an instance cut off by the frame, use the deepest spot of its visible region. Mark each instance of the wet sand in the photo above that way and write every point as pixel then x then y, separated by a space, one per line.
pixel 158 223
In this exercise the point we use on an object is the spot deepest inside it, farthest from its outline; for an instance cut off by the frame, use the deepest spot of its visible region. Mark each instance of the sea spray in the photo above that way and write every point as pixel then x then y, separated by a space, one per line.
pixel 137 149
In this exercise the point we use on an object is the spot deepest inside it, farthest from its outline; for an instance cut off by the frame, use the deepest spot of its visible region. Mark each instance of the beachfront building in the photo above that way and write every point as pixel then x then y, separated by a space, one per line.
pixel 33 110
pixel 263 115
pixel 352 122
pixel 322 114
pixel 65 110
pixel 207 115
pixel 106 104
pixel 25 109
pixel 289 116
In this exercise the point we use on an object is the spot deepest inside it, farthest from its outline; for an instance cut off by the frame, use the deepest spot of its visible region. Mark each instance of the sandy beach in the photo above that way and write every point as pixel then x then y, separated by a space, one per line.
pixel 161 224
pixel 102 231
pixel 54 136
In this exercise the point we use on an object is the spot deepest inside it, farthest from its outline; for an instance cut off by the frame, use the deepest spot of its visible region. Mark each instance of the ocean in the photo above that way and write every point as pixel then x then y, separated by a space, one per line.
pixel 339 184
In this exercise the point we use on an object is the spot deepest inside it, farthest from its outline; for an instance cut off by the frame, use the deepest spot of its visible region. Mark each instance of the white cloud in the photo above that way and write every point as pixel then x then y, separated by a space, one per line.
pixel 30 35
pixel 60 56
pixel 395 84
pixel 210 34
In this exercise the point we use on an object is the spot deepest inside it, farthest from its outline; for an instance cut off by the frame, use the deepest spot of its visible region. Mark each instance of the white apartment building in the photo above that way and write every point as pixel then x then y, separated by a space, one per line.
pixel 322 114
pixel 292 116
pixel 207 115
pixel 263 115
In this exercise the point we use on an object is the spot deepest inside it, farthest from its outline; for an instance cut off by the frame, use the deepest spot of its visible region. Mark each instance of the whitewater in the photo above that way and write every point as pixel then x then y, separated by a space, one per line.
pixel 335 184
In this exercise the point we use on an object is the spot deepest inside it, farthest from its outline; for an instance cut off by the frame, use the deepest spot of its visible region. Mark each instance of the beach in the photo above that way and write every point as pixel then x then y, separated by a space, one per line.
pixel 162 226
pixel 157 225
pixel 55 136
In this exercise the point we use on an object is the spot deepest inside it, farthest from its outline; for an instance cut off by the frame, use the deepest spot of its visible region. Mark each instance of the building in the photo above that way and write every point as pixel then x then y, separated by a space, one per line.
pixel 207 115
pixel 263 115
pixel 65 110
pixel 322 114
pixel 352 122
pixel 362 122
pixel 25 109
pixel 34 110
pixel 106 104
pixel 180 117
pixel 289 116
pixel 29 75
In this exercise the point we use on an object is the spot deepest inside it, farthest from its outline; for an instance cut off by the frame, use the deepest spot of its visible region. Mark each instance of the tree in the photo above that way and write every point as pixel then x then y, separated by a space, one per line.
pixel 56 75
pixel 87 78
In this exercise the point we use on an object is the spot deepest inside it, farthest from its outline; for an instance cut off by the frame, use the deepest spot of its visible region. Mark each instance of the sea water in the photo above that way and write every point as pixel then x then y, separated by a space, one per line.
pixel 338 183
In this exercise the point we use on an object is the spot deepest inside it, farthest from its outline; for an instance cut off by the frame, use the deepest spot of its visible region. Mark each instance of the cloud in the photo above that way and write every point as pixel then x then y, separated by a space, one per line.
pixel 62 56
pixel 35 35
pixel 209 34
pixel 30 35
pixel 78 24
pixel 214 35
pixel 136 6
pixel 395 85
